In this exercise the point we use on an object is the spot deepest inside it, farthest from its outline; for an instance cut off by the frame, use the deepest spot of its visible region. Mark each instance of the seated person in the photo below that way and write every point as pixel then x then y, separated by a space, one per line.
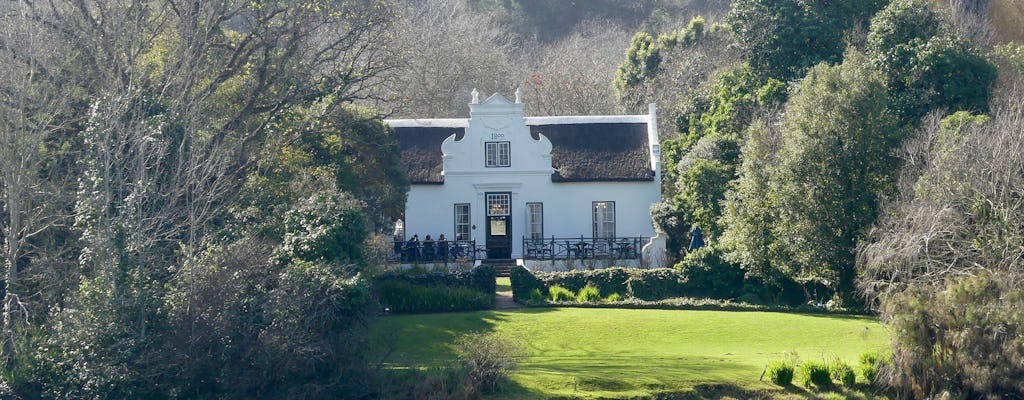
pixel 412 248
pixel 428 249
pixel 442 247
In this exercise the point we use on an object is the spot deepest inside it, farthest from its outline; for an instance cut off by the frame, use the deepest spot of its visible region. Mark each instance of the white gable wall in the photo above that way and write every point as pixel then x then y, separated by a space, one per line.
pixel 567 205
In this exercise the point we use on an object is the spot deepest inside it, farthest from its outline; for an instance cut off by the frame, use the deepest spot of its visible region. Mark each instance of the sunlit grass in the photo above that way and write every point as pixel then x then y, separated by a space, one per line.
pixel 617 352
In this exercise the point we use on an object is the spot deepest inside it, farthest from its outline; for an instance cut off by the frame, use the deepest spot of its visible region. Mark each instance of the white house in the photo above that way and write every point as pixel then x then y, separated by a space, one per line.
pixel 535 189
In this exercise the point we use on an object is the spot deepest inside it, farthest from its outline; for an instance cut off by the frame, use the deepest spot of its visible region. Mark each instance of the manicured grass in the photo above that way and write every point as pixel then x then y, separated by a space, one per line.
pixel 504 284
pixel 613 353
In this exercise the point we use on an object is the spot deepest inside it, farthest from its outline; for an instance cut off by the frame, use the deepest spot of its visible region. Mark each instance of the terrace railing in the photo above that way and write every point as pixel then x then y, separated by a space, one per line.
pixel 554 248
pixel 433 251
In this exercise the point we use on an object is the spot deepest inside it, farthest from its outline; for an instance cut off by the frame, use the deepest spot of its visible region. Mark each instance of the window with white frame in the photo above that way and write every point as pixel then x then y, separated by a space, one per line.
pixel 604 219
pixel 498 204
pixel 535 220
pixel 462 221
pixel 497 154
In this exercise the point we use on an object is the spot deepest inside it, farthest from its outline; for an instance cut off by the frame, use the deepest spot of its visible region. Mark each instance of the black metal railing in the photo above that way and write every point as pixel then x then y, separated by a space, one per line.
pixel 553 248
pixel 434 251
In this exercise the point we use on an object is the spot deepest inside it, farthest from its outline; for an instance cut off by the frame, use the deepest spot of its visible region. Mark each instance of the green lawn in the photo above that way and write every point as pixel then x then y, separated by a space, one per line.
pixel 588 353
pixel 504 284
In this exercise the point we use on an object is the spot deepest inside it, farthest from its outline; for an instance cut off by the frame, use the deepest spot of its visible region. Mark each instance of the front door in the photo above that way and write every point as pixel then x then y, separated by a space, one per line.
pixel 499 225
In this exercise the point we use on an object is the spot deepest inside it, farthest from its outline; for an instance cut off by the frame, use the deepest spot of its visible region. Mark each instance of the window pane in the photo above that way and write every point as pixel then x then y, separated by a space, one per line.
pixel 535 220
pixel 462 221
pixel 498 204
pixel 496 154
pixel 604 219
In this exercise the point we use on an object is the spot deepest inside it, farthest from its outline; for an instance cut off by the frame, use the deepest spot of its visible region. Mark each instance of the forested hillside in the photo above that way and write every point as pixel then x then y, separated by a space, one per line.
pixel 191 192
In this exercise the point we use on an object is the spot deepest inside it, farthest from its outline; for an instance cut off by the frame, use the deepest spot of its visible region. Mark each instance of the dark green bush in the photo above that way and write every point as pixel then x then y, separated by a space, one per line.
pixel 655 284
pixel 589 293
pixel 815 373
pixel 405 297
pixel 573 280
pixel 609 280
pixel 780 373
pixel 481 278
pixel 709 275
pixel 523 282
pixel 558 293
pixel 484 278
pixel 536 296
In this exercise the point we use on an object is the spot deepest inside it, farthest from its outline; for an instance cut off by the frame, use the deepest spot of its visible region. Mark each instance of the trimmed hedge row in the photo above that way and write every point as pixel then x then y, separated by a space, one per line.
pixel 404 292
pixel 404 297
pixel 645 284
pixel 703 276
pixel 481 278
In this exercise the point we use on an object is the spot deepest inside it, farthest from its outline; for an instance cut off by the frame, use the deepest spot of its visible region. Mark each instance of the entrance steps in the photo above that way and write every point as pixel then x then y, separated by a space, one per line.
pixel 502 267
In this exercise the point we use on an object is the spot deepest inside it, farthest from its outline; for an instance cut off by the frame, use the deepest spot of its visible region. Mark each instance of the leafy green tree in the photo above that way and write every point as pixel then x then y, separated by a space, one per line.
pixel 783 38
pixel 327 228
pixel 925 64
pixel 835 161
pixel 641 63
pixel 749 212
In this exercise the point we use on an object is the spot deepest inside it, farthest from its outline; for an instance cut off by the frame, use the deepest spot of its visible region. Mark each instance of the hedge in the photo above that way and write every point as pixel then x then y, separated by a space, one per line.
pixel 404 297
pixel 481 278
pixel 703 276
pixel 523 282
pixel 405 292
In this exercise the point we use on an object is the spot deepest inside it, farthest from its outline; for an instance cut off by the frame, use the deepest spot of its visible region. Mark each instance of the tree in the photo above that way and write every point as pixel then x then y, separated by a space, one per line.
pixel 34 107
pixel 835 162
pixel 571 76
pixel 925 64
pixel 943 262
pixel 749 212
pixel 782 39
pixel 444 52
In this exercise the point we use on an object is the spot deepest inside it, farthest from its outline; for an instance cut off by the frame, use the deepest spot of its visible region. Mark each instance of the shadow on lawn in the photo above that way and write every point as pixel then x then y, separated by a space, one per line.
pixel 427 339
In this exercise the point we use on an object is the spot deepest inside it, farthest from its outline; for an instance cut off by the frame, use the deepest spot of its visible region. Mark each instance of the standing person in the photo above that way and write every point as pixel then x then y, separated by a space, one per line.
pixel 696 238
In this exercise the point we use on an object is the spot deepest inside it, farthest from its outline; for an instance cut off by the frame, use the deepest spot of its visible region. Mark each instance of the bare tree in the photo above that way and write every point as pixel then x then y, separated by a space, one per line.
pixel 573 76
pixel 33 105
pixel 446 51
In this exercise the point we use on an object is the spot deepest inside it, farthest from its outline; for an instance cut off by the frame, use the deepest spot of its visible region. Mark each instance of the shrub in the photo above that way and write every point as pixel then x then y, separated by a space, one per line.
pixel 572 280
pixel 709 275
pixel 613 297
pixel 405 297
pixel 870 364
pixel 609 280
pixel 589 293
pixel 558 293
pixel 780 373
pixel 815 373
pixel 484 278
pixel 840 371
pixel 488 358
pixel 536 296
pixel 654 284
pixel 523 282
pixel 481 278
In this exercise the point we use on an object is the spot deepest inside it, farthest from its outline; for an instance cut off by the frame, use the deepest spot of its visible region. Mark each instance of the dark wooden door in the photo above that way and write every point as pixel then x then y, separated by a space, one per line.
pixel 499 225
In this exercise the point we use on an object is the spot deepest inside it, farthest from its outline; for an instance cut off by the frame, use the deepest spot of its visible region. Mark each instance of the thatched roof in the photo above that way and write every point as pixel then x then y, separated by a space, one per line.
pixel 598 152
pixel 581 151
pixel 421 151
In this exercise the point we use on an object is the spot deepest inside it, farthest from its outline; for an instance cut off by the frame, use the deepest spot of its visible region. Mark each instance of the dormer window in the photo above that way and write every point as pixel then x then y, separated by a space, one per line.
pixel 496 154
